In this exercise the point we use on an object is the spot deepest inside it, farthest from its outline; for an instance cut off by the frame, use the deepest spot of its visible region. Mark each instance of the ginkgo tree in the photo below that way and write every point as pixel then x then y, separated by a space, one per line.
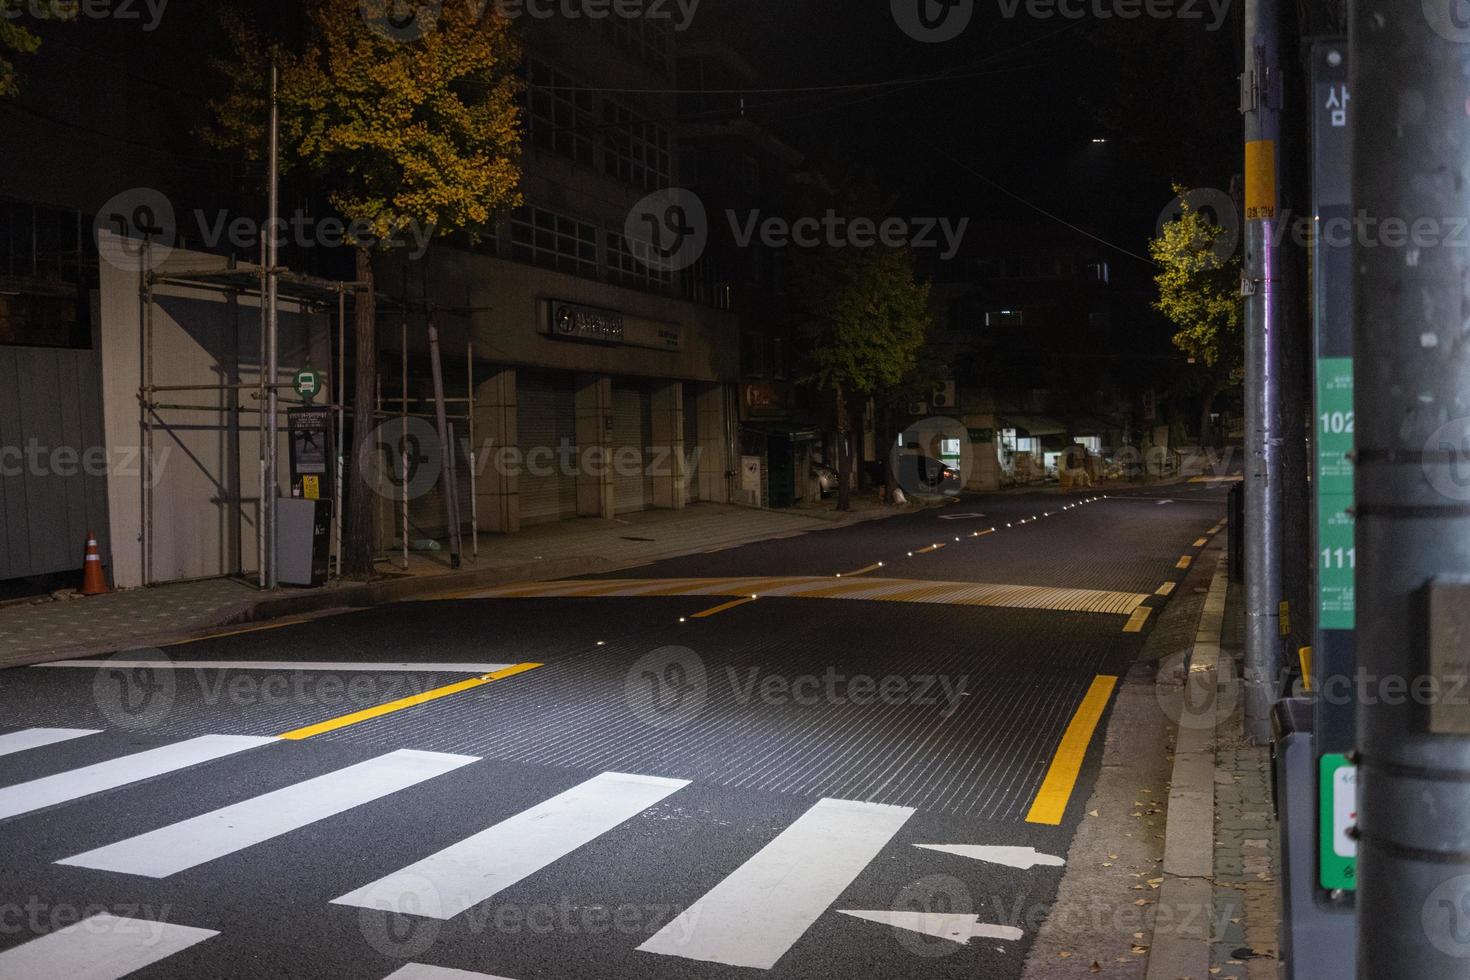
pixel 861 318
pixel 14 39
pixel 1199 291
pixel 411 132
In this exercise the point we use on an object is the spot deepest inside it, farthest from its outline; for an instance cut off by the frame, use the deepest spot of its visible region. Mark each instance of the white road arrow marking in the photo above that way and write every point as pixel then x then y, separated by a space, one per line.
pixel 941 925
pixel 1024 858
pixel 1163 502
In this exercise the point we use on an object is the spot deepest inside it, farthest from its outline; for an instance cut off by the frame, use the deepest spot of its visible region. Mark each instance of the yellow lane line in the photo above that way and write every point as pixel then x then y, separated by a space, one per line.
pixel 239 632
pixel 981 534
pixel 721 608
pixel 1051 800
pixel 1137 620
pixel 862 571
pixel 1185 562
pixel 1202 542
pixel 416 699
pixel 925 551
pixel 1166 589
pixel 832 591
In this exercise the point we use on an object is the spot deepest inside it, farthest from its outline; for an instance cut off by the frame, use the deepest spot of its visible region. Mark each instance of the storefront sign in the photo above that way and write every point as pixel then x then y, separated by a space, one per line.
pixel 762 399
pixel 750 474
pixel 585 323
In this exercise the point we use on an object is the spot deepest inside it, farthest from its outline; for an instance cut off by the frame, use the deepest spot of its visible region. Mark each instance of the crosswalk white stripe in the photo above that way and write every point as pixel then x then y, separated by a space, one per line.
pixel 759 912
pixel 104 947
pixel 210 836
pixel 422 971
pixel 354 667
pixel 35 738
pixel 467 873
pixel 76 783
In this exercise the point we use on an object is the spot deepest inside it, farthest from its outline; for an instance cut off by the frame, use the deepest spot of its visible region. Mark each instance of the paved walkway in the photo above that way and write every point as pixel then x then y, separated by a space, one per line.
pixel 52 628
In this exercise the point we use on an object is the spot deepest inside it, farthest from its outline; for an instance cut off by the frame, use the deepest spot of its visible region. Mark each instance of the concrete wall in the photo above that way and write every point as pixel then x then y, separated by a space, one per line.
pixel 205 498
pixel 508 304
pixel 52 460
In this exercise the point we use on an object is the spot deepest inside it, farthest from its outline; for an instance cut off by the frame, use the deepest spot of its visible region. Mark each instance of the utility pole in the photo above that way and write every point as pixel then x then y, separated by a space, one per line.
pixel 446 442
pixel 1265 318
pixel 1411 154
pixel 270 368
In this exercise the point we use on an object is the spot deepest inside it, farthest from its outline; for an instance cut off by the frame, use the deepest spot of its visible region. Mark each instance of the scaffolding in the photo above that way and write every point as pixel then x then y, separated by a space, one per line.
pixel 313 296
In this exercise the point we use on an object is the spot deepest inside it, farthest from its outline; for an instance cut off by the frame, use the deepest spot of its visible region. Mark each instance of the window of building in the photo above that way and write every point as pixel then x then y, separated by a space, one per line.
pixel 753 355
pixel 634 149
pixel 554 241
pixel 636 264
pixel 560 114
pixel 1097 272
pixel 1005 318
pixel 779 366
pixel 48 265
pixel 648 39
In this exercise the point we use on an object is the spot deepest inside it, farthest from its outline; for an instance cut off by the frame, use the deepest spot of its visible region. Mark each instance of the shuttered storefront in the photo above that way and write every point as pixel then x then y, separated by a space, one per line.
pixel 691 451
pixel 547 418
pixel 632 427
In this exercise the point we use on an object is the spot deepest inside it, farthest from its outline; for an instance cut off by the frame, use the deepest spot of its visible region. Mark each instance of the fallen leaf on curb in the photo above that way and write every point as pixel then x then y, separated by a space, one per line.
pixel 1092 813
pixel 1096 967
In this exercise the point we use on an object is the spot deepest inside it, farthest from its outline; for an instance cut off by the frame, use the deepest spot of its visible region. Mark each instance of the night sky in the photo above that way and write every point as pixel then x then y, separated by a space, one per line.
pixel 1015 100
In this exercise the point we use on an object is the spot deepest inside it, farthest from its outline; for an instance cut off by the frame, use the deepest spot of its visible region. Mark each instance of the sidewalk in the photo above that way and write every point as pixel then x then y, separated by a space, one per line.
pixel 52 629
pixel 1222 849
pixel 1173 872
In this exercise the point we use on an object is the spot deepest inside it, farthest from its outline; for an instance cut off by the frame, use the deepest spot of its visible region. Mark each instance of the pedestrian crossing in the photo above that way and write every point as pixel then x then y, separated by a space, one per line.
pixel 825 587
pixel 214 835
pixel 752 918
pixel 89 780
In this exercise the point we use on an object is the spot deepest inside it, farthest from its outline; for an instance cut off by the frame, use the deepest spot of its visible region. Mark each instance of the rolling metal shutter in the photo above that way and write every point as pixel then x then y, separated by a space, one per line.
pixel 547 417
pixel 632 426
pixel 691 443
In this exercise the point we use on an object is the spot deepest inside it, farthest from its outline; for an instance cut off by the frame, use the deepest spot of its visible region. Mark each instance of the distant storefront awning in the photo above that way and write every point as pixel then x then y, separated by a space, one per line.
pixel 1033 426
pixel 781 430
pixel 1056 443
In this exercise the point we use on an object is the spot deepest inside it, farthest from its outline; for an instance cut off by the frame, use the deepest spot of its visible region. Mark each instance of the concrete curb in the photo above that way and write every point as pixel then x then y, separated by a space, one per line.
pixel 1181 941
pixel 368 594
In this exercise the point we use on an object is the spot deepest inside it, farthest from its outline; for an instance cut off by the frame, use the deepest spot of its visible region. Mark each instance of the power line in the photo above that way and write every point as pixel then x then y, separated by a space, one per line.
pixel 1038 208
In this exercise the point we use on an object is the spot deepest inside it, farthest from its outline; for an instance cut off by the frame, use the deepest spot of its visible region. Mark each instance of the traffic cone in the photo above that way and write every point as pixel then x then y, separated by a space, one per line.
pixel 93 581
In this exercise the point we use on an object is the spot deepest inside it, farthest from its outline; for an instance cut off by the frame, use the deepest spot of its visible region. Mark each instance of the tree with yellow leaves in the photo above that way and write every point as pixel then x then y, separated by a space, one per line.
pixel 1199 291
pixel 412 126
pixel 14 38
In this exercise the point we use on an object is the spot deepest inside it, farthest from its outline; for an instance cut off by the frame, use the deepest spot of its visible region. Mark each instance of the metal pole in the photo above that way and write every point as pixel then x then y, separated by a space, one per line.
pixel 272 334
pixel 341 421
pixel 260 470
pixel 1261 88
pixel 470 428
pixel 1412 436
pixel 446 443
pixel 403 407
pixel 146 471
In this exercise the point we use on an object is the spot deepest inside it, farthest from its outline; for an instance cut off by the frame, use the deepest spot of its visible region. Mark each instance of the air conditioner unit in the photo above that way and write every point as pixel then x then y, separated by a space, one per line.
pixel 945 396
pixel 918 408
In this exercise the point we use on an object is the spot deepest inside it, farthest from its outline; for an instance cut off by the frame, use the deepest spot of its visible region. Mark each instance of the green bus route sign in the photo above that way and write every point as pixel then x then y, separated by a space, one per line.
pixel 1337 554
pixel 1338 861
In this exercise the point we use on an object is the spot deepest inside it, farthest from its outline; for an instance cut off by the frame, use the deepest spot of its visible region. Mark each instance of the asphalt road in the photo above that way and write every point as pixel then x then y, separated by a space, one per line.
pixel 843 776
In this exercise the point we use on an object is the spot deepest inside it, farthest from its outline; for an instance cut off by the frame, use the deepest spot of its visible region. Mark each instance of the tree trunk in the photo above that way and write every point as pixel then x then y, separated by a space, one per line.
pixel 357 539
pixel 1206 433
pixel 844 453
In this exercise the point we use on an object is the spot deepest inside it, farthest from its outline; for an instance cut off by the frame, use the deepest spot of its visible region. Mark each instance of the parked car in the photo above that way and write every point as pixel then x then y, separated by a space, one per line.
pixel 825 476
pixel 928 476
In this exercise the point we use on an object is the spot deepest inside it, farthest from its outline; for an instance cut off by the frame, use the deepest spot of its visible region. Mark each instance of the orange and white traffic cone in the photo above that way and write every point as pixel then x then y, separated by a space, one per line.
pixel 93 581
